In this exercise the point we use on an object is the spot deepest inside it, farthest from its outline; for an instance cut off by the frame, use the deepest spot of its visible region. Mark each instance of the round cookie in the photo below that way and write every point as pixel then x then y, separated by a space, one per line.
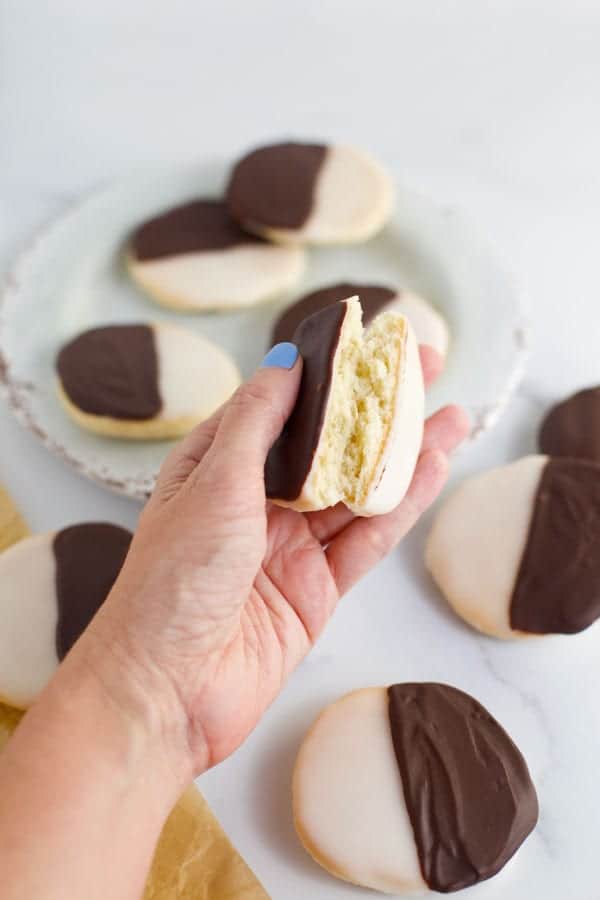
pixel 516 549
pixel 428 325
pixel 355 432
pixel 195 257
pixel 143 382
pixel 572 428
pixel 410 788
pixel 310 194
pixel 52 585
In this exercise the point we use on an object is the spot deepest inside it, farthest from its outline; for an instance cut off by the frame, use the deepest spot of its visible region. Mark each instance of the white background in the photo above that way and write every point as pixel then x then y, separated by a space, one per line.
pixel 494 106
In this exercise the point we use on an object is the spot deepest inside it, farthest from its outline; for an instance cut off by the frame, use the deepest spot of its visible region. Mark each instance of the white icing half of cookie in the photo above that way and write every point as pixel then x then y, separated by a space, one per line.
pixel 28 617
pixel 475 546
pixel 225 279
pixel 397 462
pixel 195 376
pixel 349 806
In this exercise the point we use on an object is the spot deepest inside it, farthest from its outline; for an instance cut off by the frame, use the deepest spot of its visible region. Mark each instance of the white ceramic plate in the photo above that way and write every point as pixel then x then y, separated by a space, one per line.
pixel 72 278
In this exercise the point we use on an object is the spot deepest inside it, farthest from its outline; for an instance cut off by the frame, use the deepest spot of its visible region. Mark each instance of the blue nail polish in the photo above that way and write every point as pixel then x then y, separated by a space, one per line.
pixel 281 356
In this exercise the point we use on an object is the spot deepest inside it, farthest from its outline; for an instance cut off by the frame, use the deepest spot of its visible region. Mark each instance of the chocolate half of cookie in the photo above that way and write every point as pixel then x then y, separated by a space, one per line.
pixel 112 371
pixel 572 428
pixel 470 798
pixel 557 588
pixel 275 186
pixel 88 559
pixel 194 227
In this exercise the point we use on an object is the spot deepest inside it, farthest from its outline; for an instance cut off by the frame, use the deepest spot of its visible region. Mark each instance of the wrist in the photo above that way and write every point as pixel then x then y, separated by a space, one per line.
pixel 140 714
pixel 90 766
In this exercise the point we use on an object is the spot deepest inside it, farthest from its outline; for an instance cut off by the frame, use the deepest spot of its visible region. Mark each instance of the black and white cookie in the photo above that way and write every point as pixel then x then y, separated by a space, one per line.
pixel 52 586
pixel 411 788
pixel 143 382
pixel 355 432
pixel 572 428
pixel 310 194
pixel 195 257
pixel 429 326
pixel 516 550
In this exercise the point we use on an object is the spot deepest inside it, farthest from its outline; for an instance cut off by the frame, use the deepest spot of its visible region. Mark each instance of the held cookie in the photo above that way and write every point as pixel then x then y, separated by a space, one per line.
pixel 52 586
pixel 195 257
pixel 410 788
pixel 355 432
pixel 516 550
pixel 143 382
pixel 428 325
pixel 572 428
pixel 310 194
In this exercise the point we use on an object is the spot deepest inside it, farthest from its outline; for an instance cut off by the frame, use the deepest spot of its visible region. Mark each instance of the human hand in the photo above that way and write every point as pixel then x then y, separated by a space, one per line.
pixel 223 593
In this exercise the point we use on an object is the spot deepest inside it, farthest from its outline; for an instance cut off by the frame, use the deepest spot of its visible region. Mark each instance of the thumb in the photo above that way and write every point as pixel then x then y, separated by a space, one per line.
pixel 257 412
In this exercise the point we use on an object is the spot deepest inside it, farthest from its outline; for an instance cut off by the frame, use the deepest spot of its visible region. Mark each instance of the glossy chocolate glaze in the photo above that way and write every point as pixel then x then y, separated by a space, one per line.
pixel 112 371
pixel 572 428
pixel 190 228
pixel 469 795
pixel 557 589
pixel 88 559
pixel 291 456
pixel 274 186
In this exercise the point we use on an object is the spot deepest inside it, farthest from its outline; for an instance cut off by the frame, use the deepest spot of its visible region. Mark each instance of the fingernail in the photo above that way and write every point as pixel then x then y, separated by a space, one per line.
pixel 281 356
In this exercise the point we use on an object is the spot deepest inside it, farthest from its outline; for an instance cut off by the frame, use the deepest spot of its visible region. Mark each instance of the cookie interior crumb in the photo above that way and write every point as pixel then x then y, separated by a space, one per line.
pixel 361 406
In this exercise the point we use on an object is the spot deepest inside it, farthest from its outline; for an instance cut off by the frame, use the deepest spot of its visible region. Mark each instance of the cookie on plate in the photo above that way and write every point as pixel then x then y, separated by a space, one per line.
pixel 296 193
pixel 52 586
pixel 410 788
pixel 572 428
pixel 195 257
pixel 429 326
pixel 143 382
pixel 355 432
pixel 516 549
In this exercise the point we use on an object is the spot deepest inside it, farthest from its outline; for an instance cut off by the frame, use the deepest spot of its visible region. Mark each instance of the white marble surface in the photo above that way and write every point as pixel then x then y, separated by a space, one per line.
pixel 493 106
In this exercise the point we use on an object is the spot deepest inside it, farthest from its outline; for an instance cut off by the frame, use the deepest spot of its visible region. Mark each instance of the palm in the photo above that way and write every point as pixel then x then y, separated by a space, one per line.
pixel 292 597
